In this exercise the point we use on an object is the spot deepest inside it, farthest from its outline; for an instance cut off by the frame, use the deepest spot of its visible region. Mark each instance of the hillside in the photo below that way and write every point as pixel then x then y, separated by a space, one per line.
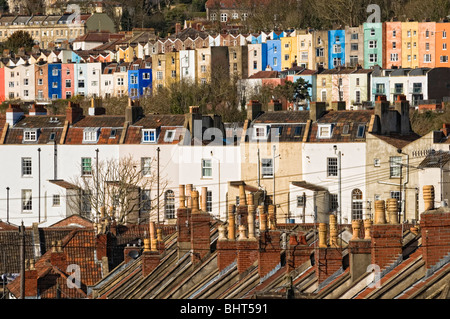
pixel 423 123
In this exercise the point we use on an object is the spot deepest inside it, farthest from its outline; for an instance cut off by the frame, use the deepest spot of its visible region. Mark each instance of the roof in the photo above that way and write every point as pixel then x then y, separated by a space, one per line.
pixel 435 160
pixel 283 117
pixel 398 140
pixel 312 187
pixel 264 75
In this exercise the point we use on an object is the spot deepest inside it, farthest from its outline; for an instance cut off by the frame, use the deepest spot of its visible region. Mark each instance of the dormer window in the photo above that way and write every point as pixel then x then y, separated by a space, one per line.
pixel 149 136
pixel 324 131
pixel 260 131
pixel 90 134
pixel 169 136
pixel 361 129
pixel 30 135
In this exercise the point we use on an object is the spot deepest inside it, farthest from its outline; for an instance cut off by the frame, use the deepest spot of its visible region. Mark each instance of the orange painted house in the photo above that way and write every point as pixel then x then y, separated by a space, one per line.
pixel 41 81
pixel 426 44
pixel 392 44
pixel 68 80
pixel 442 38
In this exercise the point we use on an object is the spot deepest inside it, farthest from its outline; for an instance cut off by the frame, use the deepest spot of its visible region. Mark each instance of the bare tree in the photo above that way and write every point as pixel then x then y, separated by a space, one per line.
pixel 118 191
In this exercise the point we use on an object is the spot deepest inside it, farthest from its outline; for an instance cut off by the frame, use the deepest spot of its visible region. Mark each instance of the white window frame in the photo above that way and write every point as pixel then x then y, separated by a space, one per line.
pixel 149 136
pixel 86 166
pixel 260 132
pixel 27 200
pixel 27 167
pixel 56 200
pixel 267 167
pixel 90 134
pixel 206 168
pixel 169 135
pixel 146 165
pixel 324 131
pixel 332 167
pixel 394 167
pixel 30 135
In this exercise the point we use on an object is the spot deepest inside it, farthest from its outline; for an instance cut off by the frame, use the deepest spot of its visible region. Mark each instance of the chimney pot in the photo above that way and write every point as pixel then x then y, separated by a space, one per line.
pixel 189 188
pixel 204 198
pixel 322 235
pixel 428 197
pixel 242 197
pixel 262 218
pixel 333 231
pixel 392 208
pixel 380 215
pixel 251 221
pixel 222 232
pixel 231 221
pixel 242 232
pixel 272 217
pixel 367 227
pixel 356 226
pixel 182 196
pixel 195 207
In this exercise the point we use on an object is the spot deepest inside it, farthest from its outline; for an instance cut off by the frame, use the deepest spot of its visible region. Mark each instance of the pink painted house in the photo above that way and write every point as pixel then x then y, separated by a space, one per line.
pixel 68 80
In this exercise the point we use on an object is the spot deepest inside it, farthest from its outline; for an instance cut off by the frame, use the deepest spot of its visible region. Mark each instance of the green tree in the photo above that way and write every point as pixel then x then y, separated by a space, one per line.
pixel 19 39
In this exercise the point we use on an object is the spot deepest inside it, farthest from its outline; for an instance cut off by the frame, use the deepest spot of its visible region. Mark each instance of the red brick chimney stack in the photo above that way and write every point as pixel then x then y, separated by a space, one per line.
pixel 435 229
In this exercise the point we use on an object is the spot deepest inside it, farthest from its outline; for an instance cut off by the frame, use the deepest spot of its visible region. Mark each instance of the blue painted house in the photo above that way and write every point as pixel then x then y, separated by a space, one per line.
pixel 54 81
pixel 309 76
pixel 274 54
pixel 336 48
pixel 139 78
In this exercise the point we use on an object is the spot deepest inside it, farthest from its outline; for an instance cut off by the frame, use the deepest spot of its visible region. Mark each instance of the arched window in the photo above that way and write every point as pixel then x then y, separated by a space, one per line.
pixel 169 204
pixel 357 204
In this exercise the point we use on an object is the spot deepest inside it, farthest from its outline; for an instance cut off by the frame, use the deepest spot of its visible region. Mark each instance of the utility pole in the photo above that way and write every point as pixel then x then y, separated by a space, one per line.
pixel 22 261
pixel 339 154
pixel 157 187
pixel 7 205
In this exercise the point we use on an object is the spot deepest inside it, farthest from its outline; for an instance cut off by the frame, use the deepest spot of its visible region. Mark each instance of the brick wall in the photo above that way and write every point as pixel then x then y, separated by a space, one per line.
pixel 226 253
pixel 150 260
pixel 435 228
pixel 386 244
pixel 200 236
pixel 327 262
pixel 298 252
pixel 183 225
pixel 247 254
pixel 269 252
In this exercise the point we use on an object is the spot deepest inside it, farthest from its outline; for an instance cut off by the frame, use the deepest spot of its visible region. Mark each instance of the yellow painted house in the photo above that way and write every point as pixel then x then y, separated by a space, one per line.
pixel 127 53
pixel 165 69
pixel 410 44
pixel 288 51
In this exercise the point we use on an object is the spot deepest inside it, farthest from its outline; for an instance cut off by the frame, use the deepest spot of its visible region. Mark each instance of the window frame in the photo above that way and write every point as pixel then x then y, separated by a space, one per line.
pixel 267 167
pixel 149 136
pixel 332 166
pixel 27 207
pixel 206 168
pixel 27 166
pixel 86 166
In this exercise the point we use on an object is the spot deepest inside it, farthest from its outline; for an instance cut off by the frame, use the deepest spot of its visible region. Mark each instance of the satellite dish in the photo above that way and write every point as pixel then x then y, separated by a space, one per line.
pixel 133 254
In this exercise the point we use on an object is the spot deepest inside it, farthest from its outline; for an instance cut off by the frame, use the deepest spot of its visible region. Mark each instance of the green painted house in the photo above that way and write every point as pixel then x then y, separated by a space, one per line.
pixel 373 44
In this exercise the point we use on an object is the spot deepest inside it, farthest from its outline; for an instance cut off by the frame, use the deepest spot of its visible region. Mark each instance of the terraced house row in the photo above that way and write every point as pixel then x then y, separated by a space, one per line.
pixel 306 163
